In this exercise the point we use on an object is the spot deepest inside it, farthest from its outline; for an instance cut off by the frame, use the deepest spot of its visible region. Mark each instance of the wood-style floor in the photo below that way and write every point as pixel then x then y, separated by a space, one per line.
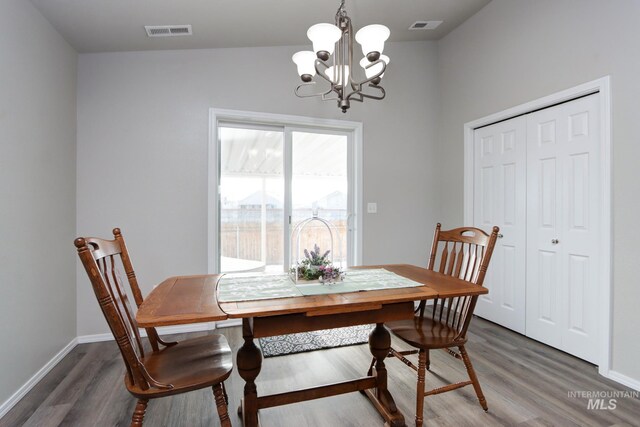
pixel 526 384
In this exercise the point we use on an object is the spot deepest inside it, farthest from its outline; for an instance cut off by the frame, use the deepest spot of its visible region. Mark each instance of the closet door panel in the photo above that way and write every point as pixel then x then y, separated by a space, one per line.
pixel 562 229
pixel 543 305
pixel 499 199
pixel 581 227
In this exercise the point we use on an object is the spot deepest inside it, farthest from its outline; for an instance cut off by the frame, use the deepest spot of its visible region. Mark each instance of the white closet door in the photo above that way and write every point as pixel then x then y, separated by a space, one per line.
pixel 562 226
pixel 499 193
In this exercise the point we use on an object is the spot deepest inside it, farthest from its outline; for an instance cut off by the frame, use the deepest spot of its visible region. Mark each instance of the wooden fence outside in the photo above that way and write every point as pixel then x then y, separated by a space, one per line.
pixel 243 240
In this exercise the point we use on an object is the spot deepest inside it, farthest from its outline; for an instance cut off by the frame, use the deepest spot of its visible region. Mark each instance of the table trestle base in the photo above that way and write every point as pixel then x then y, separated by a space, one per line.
pixel 391 419
pixel 317 392
pixel 374 385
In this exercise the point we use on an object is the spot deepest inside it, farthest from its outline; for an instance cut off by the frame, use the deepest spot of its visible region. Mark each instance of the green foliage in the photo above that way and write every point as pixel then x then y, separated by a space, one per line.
pixel 315 266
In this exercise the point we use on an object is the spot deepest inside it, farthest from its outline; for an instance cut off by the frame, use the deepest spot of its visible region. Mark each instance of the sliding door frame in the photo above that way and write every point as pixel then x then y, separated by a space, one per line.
pixel 289 124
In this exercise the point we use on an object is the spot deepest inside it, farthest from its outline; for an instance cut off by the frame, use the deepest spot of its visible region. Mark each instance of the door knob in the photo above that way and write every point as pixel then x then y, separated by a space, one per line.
pixel 555 241
pixel 500 236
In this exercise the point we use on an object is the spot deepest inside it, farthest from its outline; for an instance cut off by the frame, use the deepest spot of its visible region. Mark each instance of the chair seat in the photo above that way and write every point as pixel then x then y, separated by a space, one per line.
pixel 189 365
pixel 425 333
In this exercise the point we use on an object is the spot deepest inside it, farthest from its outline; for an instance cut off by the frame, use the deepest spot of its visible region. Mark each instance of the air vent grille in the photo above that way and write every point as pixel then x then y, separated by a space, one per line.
pixel 168 30
pixel 425 25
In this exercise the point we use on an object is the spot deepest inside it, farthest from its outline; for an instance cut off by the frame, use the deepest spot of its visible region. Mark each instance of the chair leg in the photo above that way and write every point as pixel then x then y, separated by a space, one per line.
pixel 218 394
pixel 224 391
pixel 473 377
pixel 423 361
pixel 138 414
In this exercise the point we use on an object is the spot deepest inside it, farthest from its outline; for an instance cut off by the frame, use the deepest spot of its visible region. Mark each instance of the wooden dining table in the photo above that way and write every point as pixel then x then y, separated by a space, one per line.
pixel 192 299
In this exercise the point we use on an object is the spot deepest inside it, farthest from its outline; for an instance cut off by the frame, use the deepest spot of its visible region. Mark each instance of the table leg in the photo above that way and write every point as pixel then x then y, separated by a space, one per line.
pixel 249 362
pixel 379 344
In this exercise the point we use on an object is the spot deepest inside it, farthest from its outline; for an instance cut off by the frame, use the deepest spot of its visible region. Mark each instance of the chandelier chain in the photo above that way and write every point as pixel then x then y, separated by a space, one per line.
pixel 341 11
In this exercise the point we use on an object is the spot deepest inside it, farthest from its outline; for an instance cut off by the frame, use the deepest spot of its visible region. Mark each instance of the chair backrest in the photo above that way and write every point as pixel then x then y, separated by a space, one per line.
pixel 102 260
pixel 464 253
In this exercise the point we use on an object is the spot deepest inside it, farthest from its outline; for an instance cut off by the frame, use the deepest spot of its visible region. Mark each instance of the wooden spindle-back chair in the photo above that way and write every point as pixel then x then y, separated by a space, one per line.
pixel 463 253
pixel 177 368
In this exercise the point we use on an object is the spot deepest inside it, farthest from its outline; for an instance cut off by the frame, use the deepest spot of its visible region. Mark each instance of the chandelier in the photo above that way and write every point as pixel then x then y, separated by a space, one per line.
pixel 337 41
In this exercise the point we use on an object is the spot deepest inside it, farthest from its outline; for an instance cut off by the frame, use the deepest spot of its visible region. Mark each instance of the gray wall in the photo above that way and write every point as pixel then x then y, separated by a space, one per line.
pixel 143 123
pixel 37 193
pixel 514 51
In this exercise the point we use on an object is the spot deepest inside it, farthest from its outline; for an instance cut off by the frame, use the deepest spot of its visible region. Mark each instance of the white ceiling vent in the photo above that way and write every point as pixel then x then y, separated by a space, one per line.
pixel 168 30
pixel 425 25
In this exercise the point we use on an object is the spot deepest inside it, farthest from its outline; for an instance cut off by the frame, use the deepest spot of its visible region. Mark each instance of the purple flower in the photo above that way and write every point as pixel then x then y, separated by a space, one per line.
pixel 306 253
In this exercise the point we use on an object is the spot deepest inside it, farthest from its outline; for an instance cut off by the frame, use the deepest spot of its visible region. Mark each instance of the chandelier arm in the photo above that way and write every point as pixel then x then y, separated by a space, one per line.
pixel 357 86
pixel 379 97
pixel 375 76
pixel 354 93
pixel 321 73
pixel 358 97
pixel 330 98
pixel 350 48
pixel 310 95
pixel 332 86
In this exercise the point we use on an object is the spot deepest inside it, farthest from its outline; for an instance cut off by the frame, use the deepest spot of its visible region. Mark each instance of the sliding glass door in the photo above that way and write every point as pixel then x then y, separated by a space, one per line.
pixel 320 187
pixel 251 199
pixel 271 178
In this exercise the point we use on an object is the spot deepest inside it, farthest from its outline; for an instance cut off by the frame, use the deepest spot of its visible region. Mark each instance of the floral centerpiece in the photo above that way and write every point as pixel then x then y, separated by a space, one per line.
pixel 317 267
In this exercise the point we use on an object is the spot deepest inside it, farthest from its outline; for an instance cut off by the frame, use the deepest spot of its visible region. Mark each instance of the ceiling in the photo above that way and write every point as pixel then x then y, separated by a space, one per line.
pixel 118 25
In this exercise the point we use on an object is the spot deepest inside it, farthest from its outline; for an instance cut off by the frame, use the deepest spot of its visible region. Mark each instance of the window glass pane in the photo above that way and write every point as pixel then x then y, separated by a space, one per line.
pixel 251 199
pixel 319 185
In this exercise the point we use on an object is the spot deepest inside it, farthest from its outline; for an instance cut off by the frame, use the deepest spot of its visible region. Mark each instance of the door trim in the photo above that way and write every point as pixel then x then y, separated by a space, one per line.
pixel 217 115
pixel 602 86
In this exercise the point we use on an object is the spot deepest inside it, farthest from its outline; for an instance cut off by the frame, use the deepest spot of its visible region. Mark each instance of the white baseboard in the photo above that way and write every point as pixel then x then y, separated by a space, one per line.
pixel 165 330
pixel 83 339
pixel 35 379
pixel 624 380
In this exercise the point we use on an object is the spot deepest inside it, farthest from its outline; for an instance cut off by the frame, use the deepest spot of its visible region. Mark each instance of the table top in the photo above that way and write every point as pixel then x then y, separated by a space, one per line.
pixel 192 299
